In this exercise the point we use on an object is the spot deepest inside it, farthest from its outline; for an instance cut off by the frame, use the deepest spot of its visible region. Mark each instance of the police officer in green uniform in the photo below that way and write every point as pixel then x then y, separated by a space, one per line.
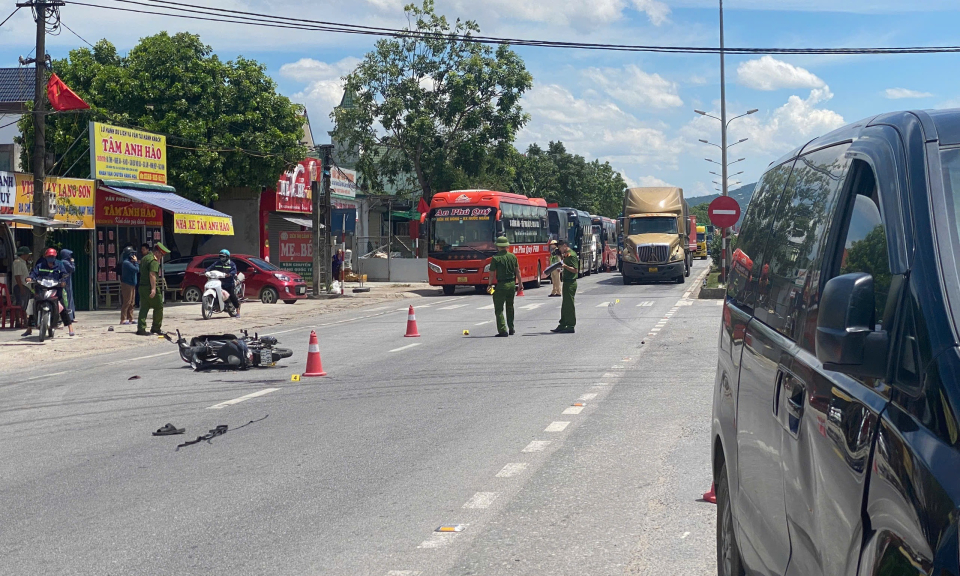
pixel 568 313
pixel 507 270
pixel 151 293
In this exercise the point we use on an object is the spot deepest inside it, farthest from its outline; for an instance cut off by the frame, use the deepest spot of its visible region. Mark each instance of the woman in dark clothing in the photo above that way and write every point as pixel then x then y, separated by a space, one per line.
pixel 66 257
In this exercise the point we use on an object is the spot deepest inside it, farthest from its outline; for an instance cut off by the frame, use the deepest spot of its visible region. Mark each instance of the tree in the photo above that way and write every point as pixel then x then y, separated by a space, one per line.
pixel 569 180
pixel 433 103
pixel 226 125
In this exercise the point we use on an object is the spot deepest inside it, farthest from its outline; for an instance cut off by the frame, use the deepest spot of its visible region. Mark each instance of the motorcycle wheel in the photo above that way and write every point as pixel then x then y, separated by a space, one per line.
pixel 206 307
pixel 232 311
pixel 280 353
pixel 43 323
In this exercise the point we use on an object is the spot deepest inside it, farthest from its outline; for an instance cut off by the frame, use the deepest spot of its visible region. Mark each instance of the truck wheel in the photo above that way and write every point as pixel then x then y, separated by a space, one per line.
pixel 728 553
pixel 627 280
pixel 680 279
pixel 449 289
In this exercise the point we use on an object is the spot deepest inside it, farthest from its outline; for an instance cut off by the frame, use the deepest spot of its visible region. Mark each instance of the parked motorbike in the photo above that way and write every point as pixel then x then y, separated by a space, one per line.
pixel 215 297
pixel 46 307
pixel 229 352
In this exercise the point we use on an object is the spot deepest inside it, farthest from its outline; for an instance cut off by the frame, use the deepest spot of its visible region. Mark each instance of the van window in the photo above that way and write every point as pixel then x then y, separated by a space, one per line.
pixel 746 271
pixel 864 245
pixel 794 250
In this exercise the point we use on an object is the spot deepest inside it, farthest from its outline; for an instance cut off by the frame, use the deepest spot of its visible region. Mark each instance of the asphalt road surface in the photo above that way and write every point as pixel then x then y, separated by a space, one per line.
pixel 352 474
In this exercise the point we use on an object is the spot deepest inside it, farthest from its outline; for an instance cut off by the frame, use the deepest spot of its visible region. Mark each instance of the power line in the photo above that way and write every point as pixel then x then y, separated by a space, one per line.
pixel 10 16
pixel 221 15
pixel 77 35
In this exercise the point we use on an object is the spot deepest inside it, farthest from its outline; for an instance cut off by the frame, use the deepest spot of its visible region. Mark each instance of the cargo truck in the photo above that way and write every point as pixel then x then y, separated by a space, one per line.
pixel 655 235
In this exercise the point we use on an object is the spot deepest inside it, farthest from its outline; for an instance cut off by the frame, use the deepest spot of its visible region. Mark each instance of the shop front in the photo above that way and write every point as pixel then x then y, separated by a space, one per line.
pixel 134 204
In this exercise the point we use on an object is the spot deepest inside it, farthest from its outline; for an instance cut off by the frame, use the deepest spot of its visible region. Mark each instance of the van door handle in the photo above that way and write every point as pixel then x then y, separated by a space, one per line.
pixel 794 392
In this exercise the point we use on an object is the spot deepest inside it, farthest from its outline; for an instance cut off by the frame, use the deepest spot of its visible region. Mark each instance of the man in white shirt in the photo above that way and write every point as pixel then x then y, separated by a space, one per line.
pixel 21 269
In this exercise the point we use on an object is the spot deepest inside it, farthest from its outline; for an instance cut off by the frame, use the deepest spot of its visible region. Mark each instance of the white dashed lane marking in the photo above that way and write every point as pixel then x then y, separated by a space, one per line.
pixel 589 396
pixel 556 427
pixel 533 306
pixel 438 540
pixel 603 305
pixel 241 399
pixel 482 323
pixel 536 446
pixel 573 410
pixel 407 347
pixel 481 500
pixel 404 573
pixel 487 307
pixel 512 469
pixel 645 303
pixel 452 307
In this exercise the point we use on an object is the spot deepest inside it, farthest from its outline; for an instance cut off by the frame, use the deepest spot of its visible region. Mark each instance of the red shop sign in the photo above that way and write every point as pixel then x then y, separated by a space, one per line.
pixel 116 210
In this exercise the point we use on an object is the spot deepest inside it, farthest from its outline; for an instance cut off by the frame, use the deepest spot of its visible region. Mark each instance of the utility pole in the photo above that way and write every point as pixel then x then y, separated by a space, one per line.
pixel 41 204
pixel 724 267
pixel 326 161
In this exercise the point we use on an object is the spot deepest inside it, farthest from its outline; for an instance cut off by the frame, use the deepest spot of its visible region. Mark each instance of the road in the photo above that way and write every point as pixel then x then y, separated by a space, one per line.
pixel 353 473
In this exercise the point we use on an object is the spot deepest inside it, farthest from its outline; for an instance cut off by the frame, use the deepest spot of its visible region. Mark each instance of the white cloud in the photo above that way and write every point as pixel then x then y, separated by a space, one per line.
pixel 596 129
pixel 900 93
pixel 634 87
pixel 324 87
pixel 790 125
pixel 768 73
pixel 651 181
pixel 656 11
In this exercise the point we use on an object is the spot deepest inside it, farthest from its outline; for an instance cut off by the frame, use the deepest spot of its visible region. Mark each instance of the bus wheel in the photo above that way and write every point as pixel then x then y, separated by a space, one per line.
pixel 478 288
pixel 537 282
pixel 449 289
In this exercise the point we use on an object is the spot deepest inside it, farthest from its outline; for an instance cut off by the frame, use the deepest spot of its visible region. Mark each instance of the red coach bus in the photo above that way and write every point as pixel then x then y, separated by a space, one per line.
pixel 463 226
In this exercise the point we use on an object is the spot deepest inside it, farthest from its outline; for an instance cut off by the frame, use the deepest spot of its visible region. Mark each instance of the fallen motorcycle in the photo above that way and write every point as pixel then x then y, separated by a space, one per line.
pixel 230 352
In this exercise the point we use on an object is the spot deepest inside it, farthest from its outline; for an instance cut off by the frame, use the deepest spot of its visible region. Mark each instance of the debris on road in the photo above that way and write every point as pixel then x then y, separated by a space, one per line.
pixel 168 429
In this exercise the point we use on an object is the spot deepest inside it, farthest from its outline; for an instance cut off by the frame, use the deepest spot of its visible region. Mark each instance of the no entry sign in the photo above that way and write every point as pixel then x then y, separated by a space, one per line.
pixel 724 212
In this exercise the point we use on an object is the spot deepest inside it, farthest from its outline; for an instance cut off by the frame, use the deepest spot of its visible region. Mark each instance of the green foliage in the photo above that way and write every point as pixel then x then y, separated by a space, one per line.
pixel 715 248
pixel 700 211
pixel 570 180
pixel 870 255
pixel 175 85
pixel 428 104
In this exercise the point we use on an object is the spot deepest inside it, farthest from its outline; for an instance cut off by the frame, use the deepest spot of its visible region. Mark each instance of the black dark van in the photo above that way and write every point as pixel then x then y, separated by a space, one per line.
pixel 836 435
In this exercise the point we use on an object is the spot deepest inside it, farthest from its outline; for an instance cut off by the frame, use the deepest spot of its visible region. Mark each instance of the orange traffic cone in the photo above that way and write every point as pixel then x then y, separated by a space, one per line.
pixel 520 289
pixel 711 496
pixel 314 365
pixel 411 325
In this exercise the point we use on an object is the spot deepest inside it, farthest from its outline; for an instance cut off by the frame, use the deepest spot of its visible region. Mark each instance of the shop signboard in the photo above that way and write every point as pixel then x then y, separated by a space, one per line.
pixel 116 210
pixel 343 183
pixel 71 199
pixel 293 188
pixel 8 192
pixel 296 253
pixel 126 154
pixel 202 224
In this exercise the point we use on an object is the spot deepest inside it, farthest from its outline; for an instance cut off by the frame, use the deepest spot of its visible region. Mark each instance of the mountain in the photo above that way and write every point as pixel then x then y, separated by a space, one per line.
pixel 742 195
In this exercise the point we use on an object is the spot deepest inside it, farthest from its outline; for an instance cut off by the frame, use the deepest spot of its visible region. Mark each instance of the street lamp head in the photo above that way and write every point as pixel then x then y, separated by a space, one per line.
pixel 700 112
pixel 742 140
pixel 754 111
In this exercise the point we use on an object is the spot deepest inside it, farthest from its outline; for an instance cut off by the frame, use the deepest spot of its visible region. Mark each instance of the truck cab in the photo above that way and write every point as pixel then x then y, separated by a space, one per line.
pixel 655 236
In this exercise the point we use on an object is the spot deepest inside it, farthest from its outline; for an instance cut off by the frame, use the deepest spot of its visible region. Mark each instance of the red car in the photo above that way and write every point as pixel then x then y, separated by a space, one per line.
pixel 262 280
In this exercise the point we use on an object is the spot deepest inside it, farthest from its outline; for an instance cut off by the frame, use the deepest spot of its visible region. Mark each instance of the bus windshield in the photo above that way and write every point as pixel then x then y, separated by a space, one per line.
pixel 653 225
pixel 450 233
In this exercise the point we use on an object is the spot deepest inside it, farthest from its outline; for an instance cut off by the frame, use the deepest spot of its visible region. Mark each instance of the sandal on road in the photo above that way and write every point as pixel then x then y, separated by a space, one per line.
pixel 169 430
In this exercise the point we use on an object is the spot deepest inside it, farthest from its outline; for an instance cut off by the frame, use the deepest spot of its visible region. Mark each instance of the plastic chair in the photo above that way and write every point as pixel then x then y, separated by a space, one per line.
pixel 18 318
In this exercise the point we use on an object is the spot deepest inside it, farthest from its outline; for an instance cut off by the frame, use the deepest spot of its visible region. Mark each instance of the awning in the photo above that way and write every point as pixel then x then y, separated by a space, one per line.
pixel 408 214
pixel 37 221
pixel 301 222
pixel 188 216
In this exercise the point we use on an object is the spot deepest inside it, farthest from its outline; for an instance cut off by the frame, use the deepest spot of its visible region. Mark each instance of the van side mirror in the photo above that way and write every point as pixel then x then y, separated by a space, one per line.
pixel 847 339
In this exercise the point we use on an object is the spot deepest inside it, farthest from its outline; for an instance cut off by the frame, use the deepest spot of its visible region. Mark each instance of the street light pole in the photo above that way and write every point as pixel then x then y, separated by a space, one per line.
pixel 723 147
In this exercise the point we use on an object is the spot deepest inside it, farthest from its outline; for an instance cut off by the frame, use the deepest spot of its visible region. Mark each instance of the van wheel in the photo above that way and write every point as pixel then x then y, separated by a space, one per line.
pixel 449 289
pixel 269 296
pixel 728 553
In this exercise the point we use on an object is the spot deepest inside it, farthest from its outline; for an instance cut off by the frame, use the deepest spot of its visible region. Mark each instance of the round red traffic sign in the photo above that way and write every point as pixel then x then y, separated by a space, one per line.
pixel 724 212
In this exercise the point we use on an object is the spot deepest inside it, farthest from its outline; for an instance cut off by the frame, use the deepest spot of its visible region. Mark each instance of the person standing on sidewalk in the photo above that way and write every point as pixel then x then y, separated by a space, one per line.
pixel 21 269
pixel 507 270
pixel 70 266
pixel 554 274
pixel 128 285
pixel 568 312
pixel 151 296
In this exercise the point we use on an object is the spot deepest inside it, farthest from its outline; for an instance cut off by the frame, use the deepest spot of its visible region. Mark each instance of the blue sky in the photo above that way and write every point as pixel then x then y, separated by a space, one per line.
pixel 635 110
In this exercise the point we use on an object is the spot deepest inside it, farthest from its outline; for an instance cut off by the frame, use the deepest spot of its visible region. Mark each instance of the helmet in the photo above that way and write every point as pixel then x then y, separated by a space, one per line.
pixel 50 253
pixel 225 252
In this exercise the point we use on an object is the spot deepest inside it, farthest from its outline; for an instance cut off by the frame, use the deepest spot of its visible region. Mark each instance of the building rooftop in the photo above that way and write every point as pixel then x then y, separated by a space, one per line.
pixel 16 88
